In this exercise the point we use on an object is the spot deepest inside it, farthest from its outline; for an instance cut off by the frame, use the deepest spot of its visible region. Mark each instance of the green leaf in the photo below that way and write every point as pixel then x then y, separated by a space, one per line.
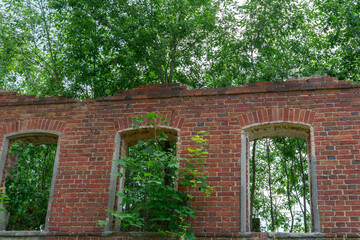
pixel 137 178
pixel 189 236
pixel 163 136
pixel 102 223
pixel 152 116
pixel 121 195
pixel 174 165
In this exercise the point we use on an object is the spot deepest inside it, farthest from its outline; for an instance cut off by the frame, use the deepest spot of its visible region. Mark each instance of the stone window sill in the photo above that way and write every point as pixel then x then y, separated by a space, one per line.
pixel 283 235
pixel 23 233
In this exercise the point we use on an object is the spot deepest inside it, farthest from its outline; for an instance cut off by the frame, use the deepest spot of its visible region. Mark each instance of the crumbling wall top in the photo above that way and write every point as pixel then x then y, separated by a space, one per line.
pixel 158 91
pixel 316 82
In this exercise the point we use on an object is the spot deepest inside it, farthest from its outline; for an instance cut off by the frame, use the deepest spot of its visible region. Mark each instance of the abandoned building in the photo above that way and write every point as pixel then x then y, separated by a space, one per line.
pixel 91 133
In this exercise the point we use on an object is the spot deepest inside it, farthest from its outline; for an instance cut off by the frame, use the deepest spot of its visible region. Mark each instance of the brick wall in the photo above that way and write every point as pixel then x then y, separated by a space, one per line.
pixel 87 144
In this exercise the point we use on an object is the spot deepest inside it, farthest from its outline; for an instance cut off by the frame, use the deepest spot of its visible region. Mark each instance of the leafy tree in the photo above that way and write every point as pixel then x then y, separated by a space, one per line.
pixel 28 185
pixel 265 40
pixel 148 41
pixel 93 48
pixel 340 25
pixel 30 45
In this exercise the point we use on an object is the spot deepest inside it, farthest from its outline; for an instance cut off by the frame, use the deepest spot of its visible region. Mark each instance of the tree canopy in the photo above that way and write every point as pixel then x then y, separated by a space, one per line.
pixel 93 48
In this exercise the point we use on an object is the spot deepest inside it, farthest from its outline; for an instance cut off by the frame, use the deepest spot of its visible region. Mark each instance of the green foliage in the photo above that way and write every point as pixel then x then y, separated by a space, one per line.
pixel 150 200
pixel 93 48
pixel 264 40
pixel 4 199
pixel 340 25
pixel 28 184
pixel 289 183
pixel 30 44
pixel 192 176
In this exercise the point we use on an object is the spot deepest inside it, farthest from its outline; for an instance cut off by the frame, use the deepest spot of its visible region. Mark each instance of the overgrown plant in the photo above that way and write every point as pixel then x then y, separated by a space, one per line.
pixel 151 201
pixel 4 199
pixel 28 185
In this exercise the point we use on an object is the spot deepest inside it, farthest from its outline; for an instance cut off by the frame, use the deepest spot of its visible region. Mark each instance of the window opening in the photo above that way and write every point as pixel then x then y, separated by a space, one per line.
pixel 148 199
pixel 268 140
pixel 27 178
pixel 279 185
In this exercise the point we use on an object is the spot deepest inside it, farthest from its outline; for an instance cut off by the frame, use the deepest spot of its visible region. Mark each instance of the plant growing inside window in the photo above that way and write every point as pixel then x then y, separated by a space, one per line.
pixel 151 201
pixel 28 185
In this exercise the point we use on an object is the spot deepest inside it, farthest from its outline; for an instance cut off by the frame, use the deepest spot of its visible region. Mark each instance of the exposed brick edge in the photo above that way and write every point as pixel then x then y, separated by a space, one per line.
pixel 159 91
pixel 176 90
pixel 10 98
pixel 34 124
pixel 125 122
pixel 294 115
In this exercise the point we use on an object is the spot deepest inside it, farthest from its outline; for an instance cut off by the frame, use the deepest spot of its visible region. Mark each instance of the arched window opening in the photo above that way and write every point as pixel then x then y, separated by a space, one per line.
pixel 27 163
pixel 279 190
pixel 136 148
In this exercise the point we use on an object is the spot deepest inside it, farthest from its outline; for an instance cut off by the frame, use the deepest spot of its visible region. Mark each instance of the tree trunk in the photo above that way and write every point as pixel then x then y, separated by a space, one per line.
pixel 304 185
pixel 270 187
pixel 252 184
pixel 45 169
pixel 288 191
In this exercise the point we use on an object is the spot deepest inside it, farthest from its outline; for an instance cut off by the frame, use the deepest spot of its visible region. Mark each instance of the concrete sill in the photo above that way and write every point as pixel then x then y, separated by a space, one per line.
pixel 145 235
pixel 269 235
pixel 302 236
pixel 23 233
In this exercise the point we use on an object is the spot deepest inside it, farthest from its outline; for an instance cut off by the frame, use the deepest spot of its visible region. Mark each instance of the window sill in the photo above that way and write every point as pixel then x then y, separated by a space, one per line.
pixel 142 235
pixel 303 236
pixel 23 233
pixel 269 235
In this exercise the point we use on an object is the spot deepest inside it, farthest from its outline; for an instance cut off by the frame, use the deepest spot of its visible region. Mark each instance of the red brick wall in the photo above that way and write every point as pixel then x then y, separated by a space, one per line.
pixel 87 146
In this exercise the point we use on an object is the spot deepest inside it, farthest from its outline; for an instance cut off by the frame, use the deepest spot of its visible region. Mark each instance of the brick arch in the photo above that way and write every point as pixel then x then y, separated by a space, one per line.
pixel 34 124
pixel 277 122
pixel 39 131
pixel 123 124
pixel 293 115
